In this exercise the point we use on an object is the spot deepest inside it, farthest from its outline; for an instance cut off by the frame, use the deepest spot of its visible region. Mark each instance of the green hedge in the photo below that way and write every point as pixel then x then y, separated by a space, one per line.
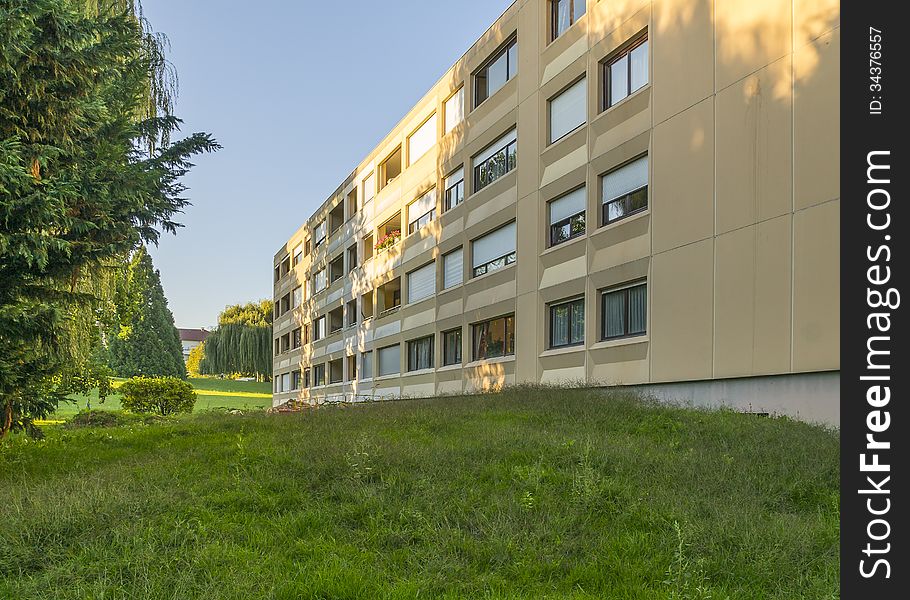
pixel 160 395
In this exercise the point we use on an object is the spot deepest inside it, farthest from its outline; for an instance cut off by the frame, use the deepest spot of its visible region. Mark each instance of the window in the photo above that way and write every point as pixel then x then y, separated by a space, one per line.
pixel 296 338
pixel 390 168
pixel 624 311
pixel 286 342
pixel 298 255
pixel 277 273
pixel 296 297
pixel 336 319
pixel 420 354
pixel 451 347
pixel 307 289
pixel 277 346
pixel 422 211
pixel 626 73
pixel 567 323
pixel 352 367
pixel 366 305
pixel 318 375
pixel 351 310
pixel 307 333
pixel 336 370
pixel 389 360
pixel 319 233
pixel 369 188
pixel 285 303
pixel 422 283
pixel 420 142
pixel 454 186
pixel 389 296
pixel 454 110
pixel 568 110
pixel 499 69
pixel 319 280
pixel 495 161
pixel 368 247
pixel 306 378
pixel 567 216
pixel 336 217
pixel 494 251
pixel 295 380
pixel 336 268
pixel 563 13
pixel 352 258
pixel 307 247
pixel 494 338
pixel 351 202
pixel 625 190
pixel 452 268
pixel 319 328
pixel 366 364
pixel 389 233
pixel 286 382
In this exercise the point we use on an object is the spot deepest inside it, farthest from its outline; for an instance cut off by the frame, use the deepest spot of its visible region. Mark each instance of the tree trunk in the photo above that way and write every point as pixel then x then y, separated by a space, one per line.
pixel 6 422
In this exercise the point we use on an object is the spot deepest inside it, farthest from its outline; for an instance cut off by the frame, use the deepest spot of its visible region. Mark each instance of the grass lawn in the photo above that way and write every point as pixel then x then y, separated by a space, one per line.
pixel 526 494
pixel 212 393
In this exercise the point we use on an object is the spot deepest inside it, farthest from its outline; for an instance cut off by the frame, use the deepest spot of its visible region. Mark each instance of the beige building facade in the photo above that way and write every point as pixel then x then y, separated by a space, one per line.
pixel 623 192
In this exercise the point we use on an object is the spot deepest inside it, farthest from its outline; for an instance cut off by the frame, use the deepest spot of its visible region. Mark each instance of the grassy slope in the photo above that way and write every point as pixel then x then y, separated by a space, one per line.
pixel 212 393
pixel 529 494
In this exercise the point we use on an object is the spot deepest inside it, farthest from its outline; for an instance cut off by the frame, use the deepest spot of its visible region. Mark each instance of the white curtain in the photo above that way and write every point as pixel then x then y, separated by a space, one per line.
pixel 389 360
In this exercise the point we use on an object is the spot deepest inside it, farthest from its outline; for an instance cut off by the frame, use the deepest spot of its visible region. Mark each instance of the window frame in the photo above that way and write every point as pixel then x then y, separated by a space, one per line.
pixel 625 289
pixel 625 51
pixel 411 367
pixel 555 34
pixel 503 50
pixel 572 303
pixel 552 140
pixel 510 165
pixel 445 110
pixel 508 348
pixel 628 196
pixel 446 362
pixel 447 198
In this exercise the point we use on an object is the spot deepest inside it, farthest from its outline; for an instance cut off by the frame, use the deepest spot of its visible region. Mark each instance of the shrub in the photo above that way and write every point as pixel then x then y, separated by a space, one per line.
pixel 95 418
pixel 160 395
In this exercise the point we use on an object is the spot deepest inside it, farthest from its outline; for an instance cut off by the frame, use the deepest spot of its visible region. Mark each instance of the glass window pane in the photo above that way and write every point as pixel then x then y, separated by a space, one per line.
pixel 638 309
pixel 639 66
pixel 562 17
pixel 579 10
pixel 577 322
pixel 619 80
pixel 513 60
pixel 559 325
pixel 497 75
pixel 614 314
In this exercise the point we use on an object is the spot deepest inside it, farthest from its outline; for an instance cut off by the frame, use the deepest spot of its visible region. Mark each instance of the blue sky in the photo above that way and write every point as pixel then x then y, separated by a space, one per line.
pixel 297 92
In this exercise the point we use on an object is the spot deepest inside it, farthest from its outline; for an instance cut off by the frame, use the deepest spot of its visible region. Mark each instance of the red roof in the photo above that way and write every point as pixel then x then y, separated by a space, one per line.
pixel 193 335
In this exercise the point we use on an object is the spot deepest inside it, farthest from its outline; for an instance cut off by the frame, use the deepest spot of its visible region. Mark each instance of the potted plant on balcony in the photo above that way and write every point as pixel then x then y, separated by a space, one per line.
pixel 388 240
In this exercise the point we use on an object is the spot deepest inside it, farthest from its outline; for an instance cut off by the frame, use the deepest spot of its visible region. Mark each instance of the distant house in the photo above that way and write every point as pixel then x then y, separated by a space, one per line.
pixel 190 338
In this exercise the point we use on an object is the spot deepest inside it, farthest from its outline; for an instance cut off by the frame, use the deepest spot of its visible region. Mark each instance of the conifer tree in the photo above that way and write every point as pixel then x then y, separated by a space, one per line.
pixel 147 342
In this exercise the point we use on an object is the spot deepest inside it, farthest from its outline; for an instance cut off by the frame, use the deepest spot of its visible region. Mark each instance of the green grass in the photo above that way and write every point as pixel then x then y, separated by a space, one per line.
pixel 527 494
pixel 243 395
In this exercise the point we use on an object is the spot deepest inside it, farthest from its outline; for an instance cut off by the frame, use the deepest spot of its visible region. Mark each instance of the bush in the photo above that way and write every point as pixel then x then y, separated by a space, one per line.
pixel 159 395
pixel 95 418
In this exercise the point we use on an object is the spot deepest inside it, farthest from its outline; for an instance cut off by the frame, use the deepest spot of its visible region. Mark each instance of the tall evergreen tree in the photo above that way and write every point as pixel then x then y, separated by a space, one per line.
pixel 84 179
pixel 147 342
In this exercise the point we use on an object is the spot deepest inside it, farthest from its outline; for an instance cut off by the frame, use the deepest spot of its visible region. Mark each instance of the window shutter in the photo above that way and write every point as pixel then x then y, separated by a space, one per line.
pixel 422 283
pixel 389 360
pixel 421 206
pixel 453 268
pixel 625 179
pixel 496 146
pixel 422 140
pixel 570 204
pixel 493 245
pixel 568 110
pixel 454 178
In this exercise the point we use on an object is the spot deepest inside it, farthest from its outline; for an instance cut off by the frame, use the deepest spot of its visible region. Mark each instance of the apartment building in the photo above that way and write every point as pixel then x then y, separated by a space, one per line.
pixel 624 192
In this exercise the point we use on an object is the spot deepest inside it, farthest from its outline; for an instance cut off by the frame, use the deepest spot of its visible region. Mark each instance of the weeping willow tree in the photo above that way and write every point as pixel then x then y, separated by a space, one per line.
pixel 238 348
